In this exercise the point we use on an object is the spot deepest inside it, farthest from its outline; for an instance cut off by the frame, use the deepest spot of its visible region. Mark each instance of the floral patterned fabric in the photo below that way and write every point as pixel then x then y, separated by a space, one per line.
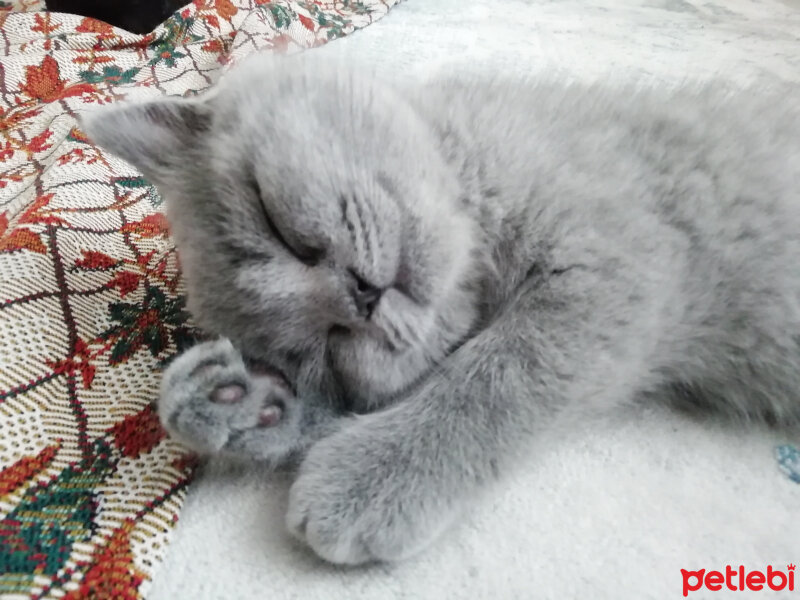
pixel 90 295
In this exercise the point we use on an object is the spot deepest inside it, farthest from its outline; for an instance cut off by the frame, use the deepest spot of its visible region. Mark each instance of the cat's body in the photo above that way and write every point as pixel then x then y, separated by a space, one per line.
pixel 457 261
pixel 688 199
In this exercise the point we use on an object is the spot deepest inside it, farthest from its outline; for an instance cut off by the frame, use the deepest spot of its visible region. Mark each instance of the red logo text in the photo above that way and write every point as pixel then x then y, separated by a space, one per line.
pixel 739 579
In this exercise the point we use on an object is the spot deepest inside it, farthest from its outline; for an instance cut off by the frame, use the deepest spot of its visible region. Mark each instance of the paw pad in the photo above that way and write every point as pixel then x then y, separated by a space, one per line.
pixel 270 416
pixel 228 394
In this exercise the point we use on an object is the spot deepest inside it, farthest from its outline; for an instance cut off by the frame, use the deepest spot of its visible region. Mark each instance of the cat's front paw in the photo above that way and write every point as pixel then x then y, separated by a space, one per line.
pixel 214 403
pixel 356 500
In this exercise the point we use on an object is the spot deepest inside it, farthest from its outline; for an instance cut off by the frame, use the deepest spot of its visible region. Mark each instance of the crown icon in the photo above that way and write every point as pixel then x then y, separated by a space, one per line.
pixel 790 567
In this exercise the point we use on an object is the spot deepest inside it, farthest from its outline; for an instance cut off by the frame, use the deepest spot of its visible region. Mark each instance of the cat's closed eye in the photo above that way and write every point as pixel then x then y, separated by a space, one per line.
pixel 308 255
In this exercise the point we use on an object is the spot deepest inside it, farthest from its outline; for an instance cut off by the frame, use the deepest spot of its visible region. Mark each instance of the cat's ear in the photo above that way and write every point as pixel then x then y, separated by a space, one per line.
pixel 155 137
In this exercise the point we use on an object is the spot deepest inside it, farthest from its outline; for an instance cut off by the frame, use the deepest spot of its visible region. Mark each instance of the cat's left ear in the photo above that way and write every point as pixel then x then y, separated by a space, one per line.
pixel 155 137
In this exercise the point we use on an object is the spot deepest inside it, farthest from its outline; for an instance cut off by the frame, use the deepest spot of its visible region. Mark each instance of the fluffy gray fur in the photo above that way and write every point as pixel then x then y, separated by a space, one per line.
pixel 431 272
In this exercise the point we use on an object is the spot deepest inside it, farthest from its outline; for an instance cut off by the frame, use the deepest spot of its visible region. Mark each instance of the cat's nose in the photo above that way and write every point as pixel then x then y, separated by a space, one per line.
pixel 365 296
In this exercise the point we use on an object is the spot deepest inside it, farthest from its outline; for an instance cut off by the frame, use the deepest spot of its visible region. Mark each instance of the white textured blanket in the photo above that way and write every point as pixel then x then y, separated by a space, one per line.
pixel 611 508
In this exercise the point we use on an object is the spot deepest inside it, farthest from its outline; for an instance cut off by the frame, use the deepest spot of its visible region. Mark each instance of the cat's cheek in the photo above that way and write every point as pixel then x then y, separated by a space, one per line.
pixel 404 322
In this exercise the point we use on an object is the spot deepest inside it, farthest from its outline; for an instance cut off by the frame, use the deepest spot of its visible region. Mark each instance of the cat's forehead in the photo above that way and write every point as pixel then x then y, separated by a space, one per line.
pixel 312 133
pixel 306 140
pixel 309 95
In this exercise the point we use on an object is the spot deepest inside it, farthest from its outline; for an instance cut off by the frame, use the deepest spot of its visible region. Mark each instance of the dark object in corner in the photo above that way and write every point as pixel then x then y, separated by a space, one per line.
pixel 136 16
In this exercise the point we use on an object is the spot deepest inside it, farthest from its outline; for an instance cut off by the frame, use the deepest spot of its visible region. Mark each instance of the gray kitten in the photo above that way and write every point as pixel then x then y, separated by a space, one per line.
pixel 410 281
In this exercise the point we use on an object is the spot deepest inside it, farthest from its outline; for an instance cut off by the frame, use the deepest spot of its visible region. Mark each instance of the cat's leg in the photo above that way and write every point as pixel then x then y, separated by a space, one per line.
pixel 388 483
pixel 212 402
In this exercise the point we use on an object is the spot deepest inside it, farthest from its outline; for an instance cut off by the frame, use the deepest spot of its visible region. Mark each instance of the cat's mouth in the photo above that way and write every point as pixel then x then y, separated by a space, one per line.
pixel 398 324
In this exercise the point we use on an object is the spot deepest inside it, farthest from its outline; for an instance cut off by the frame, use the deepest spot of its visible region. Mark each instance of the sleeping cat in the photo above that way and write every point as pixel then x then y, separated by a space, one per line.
pixel 409 281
